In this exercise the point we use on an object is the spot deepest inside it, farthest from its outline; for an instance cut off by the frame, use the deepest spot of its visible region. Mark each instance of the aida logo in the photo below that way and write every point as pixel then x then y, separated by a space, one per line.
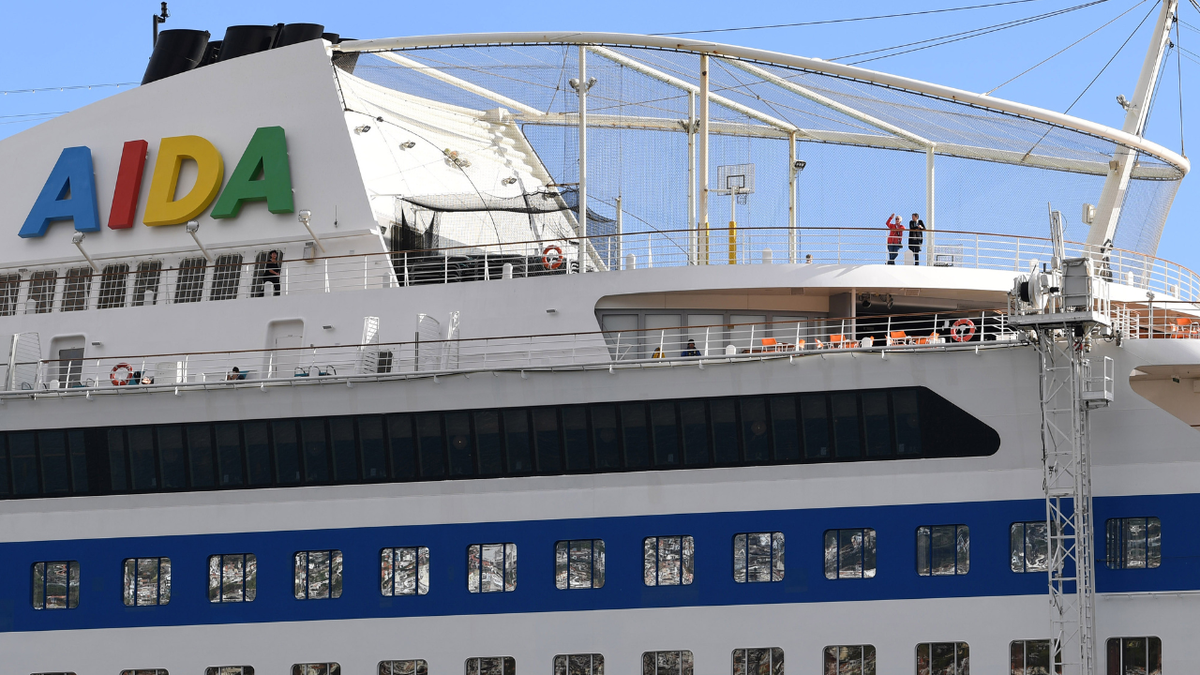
pixel 262 174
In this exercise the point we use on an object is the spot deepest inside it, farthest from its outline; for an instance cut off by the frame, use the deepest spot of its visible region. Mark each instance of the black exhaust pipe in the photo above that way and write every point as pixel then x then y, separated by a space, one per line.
pixel 295 33
pixel 243 40
pixel 177 51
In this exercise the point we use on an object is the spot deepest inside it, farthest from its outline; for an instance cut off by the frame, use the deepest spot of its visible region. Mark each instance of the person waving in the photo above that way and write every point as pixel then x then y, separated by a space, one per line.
pixel 895 236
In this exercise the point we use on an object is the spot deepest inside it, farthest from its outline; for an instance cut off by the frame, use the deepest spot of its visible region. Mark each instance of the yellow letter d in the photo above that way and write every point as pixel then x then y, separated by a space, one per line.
pixel 162 208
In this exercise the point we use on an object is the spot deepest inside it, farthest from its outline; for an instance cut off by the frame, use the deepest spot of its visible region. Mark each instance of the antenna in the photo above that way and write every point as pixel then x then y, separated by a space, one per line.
pixel 161 17
pixel 1056 237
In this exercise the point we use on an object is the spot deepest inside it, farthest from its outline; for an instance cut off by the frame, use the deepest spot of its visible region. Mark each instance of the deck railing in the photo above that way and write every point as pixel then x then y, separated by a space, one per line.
pixel 229 277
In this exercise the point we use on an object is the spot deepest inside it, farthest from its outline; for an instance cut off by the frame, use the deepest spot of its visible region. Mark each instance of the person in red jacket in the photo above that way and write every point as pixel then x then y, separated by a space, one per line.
pixel 895 233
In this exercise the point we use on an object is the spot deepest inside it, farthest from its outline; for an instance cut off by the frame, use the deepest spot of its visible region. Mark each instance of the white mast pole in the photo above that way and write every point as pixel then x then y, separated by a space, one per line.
pixel 792 174
pixel 582 89
pixel 691 187
pixel 1108 213
pixel 702 188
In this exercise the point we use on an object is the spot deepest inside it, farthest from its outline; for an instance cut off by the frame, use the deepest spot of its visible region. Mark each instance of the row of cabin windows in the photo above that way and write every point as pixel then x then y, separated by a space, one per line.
pixel 1125 656
pixel 877 424
pixel 942 550
pixel 116 279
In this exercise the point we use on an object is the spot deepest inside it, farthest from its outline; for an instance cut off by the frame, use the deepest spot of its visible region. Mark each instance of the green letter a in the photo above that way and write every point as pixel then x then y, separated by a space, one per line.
pixel 261 173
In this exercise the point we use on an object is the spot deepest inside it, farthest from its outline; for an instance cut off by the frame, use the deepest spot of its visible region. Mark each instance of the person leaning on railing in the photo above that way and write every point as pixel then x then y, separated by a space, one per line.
pixel 916 237
pixel 895 233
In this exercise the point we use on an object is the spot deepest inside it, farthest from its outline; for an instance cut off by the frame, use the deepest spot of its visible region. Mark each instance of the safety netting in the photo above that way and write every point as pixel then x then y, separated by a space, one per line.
pixel 479 145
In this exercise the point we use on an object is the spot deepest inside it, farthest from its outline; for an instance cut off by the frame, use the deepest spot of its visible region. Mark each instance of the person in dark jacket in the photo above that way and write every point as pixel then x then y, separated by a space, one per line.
pixel 916 237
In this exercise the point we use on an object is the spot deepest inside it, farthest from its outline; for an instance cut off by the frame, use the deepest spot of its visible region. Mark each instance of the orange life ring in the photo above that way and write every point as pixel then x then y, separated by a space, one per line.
pixel 962 330
pixel 121 382
pixel 556 262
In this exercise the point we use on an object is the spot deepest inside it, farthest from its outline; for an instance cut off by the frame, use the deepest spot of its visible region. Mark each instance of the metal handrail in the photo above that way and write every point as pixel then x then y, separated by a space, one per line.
pixel 640 250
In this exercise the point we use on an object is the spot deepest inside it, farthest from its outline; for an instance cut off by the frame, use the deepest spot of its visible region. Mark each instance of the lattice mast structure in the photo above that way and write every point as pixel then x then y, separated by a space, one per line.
pixel 1065 309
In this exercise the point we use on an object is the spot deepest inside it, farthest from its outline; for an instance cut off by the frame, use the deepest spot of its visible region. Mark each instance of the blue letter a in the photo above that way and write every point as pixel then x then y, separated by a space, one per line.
pixel 73 176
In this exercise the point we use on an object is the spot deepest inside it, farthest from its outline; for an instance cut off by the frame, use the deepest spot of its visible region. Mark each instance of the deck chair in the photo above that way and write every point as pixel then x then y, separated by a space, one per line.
pixel 770 345
pixel 933 339
pixel 898 337
pixel 1182 327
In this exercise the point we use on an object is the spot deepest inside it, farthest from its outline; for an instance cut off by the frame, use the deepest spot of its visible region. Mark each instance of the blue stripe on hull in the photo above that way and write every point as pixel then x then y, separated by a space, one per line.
pixel 100 604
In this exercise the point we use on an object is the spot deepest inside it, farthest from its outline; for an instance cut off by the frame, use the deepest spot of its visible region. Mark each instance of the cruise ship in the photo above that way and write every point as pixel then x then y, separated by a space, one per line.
pixel 440 355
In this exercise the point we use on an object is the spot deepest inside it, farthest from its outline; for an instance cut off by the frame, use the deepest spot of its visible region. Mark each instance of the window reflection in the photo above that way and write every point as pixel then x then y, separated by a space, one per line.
pixel 229 670
pixel 410 667
pixel 1032 657
pixel 943 658
pixel 579 664
pixel 491 665
pixel 56 585
pixel 145 671
pixel 759 661
pixel 318 575
pixel 1133 543
pixel 1134 656
pixel 758 556
pixel 404 571
pixel 668 561
pixel 579 564
pixel 316 669
pixel 492 568
pixel 147 581
pixel 667 663
pixel 232 577
pixel 850 554
pixel 943 550
pixel 850 660
pixel 1029 547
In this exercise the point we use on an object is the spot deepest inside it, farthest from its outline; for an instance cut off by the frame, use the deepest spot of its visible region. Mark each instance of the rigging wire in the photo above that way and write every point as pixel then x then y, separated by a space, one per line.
pixel 963 35
pixel 1110 60
pixel 67 88
pixel 849 20
pixel 1048 58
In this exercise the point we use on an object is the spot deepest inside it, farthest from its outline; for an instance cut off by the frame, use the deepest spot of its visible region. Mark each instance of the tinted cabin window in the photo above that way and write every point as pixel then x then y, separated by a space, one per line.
pixel 10 288
pixel 189 282
pixel 113 282
pixel 76 289
pixel 227 274
pixel 145 283
pixel 42 285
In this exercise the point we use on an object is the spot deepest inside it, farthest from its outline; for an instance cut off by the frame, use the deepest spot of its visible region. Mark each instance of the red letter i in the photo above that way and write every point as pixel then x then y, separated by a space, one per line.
pixel 129 185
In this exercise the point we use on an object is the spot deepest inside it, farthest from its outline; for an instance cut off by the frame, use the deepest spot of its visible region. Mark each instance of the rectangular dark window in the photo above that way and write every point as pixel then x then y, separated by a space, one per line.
pixel 693 417
pixel 755 440
pixel 943 657
pixel 23 453
pixel 52 446
pixel 227 273
pixel 604 437
pixel 55 584
pixel 848 440
pixel 258 454
pixel 403 447
pixel 489 444
pixel 855 660
pixel 145 283
pixel 458 437
pixel 229 454
pixel 287 452
pixel 189 281
pixel 943 550
pixel 42 285
pixel 116 460
pixel 316 459
pixel 1134 656
pixel 433 447
pixel 113 282
pixel 547 439
pixel 10 289
pixel 371 445
pixel 877 423
pixel 172 457
pixel 575 436
pixel 143 468
pixel 79 463
pixel 1133 543
pixel 345 450
pixel 635 436
pixel 5 486
pixel 724 431
pixel 784 429
pixel 666 434
pixel 76 289
pixel 1032 657
pixel 907 421
pixel 516 441
pixel 814 410
pixel 199 438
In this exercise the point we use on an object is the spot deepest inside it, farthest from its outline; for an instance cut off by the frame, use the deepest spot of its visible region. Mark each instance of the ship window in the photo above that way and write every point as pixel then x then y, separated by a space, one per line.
pixel 189 283
pixel 52 674
pixel 383 362
pixel 814 411
pixel 491 568
pixel 937 658
pixel 579 564
pixel 758 661
pixel 1134 655
pixel 76 289
pixel 546 438
pixel 145 671
pixel 1133 543
pixel 850 660
pixel 410 667
pixel 113 282
pixel 42 285
pixel 145 282
pixel 229 670
pixel 147 581
pixel 758 556
pixel 1032 657
pixel 316 669
pixel 232 577
pixel 491 665
pixel 579 664
pixel 1029 547
pixel 943 550
pixel 489 444
pixel 404 571
pixel 850 554
pixel 56 585
pixel 318 575
pixel 668 561
pixel 371 445
pixel 667 663
pixel 10 288
pixel 227 273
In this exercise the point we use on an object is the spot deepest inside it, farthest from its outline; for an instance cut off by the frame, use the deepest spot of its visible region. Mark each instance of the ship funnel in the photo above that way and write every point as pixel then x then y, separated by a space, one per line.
pixel 177 51
pixel 243 40
pixel 295 33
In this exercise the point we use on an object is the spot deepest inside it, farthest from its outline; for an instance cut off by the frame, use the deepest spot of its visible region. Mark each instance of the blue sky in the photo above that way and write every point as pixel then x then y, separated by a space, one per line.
pixel 67 43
